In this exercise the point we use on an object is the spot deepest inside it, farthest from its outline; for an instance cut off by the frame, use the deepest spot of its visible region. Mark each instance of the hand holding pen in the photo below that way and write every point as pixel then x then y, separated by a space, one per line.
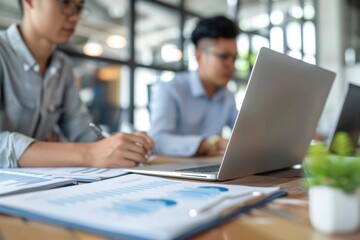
pixel 121 149
pixel 99 130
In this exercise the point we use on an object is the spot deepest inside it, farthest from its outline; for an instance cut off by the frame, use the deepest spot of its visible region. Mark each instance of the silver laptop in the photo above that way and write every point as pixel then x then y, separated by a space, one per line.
pixel 283 102
pixel 348 118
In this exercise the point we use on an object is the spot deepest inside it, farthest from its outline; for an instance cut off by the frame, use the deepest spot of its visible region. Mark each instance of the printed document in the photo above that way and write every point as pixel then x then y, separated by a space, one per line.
pixel 82 174
pixel 18 182
pixel 132 206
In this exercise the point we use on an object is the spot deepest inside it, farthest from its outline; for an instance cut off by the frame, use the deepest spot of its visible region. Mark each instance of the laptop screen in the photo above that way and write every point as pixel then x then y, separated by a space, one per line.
pixel 348 119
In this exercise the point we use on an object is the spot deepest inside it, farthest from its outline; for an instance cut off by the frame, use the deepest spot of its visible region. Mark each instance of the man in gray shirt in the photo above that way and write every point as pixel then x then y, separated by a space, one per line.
pixel 38 92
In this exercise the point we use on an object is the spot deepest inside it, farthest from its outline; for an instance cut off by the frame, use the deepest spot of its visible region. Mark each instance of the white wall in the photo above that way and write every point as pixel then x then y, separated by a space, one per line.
pixel 330 46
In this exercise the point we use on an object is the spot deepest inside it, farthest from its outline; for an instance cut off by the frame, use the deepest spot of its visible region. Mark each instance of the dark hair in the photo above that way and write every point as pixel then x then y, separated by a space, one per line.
pixel 21 6
pixel 214 27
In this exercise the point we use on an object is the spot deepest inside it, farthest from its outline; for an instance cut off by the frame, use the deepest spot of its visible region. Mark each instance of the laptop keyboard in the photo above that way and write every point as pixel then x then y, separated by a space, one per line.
pixel 207 169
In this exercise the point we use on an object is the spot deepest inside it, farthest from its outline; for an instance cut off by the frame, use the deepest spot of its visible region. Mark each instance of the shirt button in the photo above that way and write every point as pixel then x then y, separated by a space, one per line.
pixel 53 71
pixel 26 67
pixel 36 68
pixel 51 107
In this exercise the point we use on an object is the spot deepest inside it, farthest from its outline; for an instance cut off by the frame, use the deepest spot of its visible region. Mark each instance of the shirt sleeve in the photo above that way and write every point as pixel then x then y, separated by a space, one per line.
pixel 74 122
pixel 12 147
pixel 164 121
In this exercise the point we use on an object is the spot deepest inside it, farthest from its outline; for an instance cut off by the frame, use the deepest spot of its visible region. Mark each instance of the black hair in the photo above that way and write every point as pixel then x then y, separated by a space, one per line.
pixel 213 28
pixel 21 6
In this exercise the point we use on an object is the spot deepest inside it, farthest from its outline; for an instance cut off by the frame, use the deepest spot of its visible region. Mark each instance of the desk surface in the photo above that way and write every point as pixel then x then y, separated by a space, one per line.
pixel 276 220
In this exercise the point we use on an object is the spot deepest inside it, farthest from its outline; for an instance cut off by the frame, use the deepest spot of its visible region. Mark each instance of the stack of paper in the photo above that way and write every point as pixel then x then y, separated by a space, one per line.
pixel 17 182
pixel 81 174
pixel 133 206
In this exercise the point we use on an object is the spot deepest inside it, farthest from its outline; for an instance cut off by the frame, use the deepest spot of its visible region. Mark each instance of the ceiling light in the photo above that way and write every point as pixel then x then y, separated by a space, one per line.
pixel 170 53
pixel 309 12
pixel 116 41
pixel 93 49
pixel 297 12
pixel 277 17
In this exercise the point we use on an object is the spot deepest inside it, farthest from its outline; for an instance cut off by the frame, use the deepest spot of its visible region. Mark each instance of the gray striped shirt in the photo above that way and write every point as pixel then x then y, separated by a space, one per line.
pixel 32 105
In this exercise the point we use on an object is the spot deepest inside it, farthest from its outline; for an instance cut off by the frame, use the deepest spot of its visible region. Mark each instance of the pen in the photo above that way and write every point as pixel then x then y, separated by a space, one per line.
pixel 105 134
pixel 99 130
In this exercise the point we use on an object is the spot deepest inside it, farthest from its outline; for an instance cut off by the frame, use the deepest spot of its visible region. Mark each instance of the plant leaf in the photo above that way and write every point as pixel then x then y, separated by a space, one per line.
pixel 342 144
pixel 335 170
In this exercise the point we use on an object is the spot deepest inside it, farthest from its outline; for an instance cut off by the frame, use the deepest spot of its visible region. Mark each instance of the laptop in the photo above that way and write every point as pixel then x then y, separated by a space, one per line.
pixel 283 102
pixel 348 118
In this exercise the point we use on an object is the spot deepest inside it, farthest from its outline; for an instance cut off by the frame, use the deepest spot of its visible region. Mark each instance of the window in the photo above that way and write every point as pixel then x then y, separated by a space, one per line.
pixel 210 7
pixel 104 32
pixel 103 90
pixel 157 35
pixel 144 80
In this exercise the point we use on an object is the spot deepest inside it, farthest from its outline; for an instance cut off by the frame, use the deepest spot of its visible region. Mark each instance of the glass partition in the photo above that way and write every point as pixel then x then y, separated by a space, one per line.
pixel 103 89
pixel 144 79
pixel 9 13
pixel 157 35
pixel 104 31
pixel 210 7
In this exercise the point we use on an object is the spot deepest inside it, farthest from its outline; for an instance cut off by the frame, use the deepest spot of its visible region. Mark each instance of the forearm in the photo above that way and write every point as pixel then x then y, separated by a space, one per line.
pixel 119 150
pixel 48 154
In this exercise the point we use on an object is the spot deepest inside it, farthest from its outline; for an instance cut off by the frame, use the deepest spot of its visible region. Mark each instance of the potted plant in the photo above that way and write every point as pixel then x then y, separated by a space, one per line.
pixel 333 179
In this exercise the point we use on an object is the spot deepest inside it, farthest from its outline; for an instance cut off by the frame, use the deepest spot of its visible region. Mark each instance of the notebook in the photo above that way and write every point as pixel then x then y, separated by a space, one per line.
pixel 348 118
pixel 275 124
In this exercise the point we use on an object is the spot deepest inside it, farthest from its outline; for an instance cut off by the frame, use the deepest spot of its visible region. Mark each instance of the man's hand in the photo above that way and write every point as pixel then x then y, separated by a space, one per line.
pixel 121 150
pixel 212 149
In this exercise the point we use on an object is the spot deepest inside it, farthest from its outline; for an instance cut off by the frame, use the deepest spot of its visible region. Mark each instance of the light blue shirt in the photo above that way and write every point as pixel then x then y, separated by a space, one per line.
pixel 182 114
pixel 32 105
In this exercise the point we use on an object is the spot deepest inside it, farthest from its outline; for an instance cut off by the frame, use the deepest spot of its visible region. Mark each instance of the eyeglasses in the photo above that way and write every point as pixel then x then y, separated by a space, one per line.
pixel 69 8
pixel 225 57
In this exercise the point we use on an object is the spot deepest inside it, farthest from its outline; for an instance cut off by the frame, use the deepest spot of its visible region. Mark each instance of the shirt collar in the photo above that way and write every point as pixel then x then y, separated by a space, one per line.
pixel 197 88
pixel 18 45
pixel 55 63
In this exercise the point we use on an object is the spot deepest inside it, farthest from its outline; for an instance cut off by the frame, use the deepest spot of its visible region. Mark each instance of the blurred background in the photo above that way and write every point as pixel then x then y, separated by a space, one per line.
pixel 122 47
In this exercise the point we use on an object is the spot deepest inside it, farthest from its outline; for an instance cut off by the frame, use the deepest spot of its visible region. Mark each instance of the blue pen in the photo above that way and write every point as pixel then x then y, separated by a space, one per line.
pixel 99 130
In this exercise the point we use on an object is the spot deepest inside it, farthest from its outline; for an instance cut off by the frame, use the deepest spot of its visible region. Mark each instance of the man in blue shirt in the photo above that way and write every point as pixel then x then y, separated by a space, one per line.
pixel 38 93
pixel 189 112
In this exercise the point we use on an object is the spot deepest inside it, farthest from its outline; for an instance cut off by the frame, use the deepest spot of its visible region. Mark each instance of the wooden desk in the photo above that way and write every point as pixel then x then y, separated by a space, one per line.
pixel 274 221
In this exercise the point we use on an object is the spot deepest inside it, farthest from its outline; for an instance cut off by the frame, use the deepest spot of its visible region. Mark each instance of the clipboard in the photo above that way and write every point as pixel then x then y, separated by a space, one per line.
pixel 112 207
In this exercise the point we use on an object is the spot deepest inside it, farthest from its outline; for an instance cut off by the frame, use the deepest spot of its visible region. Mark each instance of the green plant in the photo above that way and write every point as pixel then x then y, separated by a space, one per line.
pixel 342 145
pixel 338 169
